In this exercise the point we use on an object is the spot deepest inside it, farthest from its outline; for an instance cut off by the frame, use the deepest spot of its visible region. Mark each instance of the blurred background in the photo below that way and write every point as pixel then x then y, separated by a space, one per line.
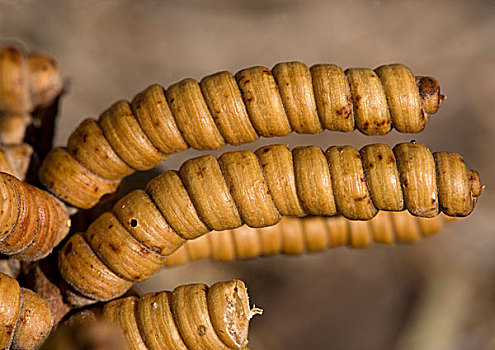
pixel 437 294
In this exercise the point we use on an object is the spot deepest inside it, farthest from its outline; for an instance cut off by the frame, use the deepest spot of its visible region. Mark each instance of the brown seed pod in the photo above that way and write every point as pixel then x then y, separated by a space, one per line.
pixel 130 243
pixel 25 318
pixel 311 234
pixel 191 317
pixel 26 82
pixel 226 109
pixel 14 159
pixel 32 221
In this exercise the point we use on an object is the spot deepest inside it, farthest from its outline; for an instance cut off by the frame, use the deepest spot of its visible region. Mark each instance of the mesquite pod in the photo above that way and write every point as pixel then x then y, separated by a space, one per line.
pixel 226 109
pixel 296 236
pixel 32 221
pixel 130 243
pixel 26 82
pixel 25 318
pixel 14 159
pixel 191 317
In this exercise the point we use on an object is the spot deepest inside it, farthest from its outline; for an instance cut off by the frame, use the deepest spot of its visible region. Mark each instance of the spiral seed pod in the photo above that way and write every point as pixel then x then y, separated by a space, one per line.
pixel 130 243
pixel 226 109
pixel 26 82
pixel 191 317
pixel 312 234
pixel 25 318
pixel 32 221
pixel 14 160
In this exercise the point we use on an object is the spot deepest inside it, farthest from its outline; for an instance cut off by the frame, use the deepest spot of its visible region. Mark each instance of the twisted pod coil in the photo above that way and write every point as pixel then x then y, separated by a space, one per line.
pixel 296 236
pixel 191 317
pixel 226 109
pixel 32 221
pixel 25 318
pixel 130 243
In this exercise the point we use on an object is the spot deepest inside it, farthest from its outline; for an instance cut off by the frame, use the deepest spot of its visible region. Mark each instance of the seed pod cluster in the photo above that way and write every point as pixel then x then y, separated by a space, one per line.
pixel 192 317
pixel 25 318
pixel 14 159
pixel 130 243
pixel 311 234
pixel 226 109
pixel 26 82
pixel 32 221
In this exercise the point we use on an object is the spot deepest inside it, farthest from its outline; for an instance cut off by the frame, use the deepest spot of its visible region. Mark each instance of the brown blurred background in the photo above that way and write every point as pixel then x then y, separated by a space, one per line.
pixel 438 294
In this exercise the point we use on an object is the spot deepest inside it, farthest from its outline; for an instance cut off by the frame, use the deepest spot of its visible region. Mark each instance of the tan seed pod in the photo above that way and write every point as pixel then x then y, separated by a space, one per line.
pixel 191 317
pixel 226 109
pixel 25 318
pixel 257 189
pixel 33 222
pixel 294 236
pixel 14 159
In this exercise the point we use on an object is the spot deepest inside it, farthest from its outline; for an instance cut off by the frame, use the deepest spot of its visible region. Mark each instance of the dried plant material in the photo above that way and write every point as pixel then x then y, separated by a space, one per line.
pixel 130 244
pixel 226 109
pixel 14 159
pixel 25 318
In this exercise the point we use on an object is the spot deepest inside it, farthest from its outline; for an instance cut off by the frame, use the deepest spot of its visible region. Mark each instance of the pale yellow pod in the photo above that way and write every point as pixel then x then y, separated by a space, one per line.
pixel 315 233
pixel 82 270
pixel 190 308
pixel 89 146
pixel 224 100
pixel 35 322
pixel 199 248
pixel 209 193
pixel 169 194
pixel 222 245
pixel 126 137
pixel 313 181
pixel 403 98
pixel 271 239
pixel 338 230
pixel 418 178
pixel 192 115
pixel 151 110
pixel 296 90
pixel 122 312
pixel 11 301
pixel 349 184
pixel 382 177
pixel 120 251
pixel 370 107
pixel 263 101
pixel 140 216
pixel 65 177
pixel 156 322
pixel 292 236
pixel 247 185
pixel 382 227
pixel 333 97
pixel 430 226
pixel 179 257
pixel 278 168
pixel 247 242
pixel 360 235
pixel 406 228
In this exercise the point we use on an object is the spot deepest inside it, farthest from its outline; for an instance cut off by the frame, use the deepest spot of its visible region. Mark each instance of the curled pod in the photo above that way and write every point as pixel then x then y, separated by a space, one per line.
pixel 132 241
pixel 26 82
pixel 303 235
pixel 224 108
pixel 32 221
pixel 191 317
pixel 26 319
pixel 14 159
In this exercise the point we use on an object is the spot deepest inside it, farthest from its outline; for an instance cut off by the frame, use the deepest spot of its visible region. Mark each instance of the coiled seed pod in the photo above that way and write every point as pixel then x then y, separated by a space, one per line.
pixel 14 159
pixel 226 109
pixel 32 221
pixel 312 234
pixel 191 317
pixel 25 318
pixel 26 82
pixel 130 243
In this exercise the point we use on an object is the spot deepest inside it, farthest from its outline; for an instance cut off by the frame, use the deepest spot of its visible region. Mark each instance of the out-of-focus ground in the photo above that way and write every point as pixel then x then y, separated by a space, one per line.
pixel 438 294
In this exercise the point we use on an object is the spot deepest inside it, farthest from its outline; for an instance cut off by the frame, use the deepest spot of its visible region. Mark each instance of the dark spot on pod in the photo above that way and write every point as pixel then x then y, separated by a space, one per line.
pixel 110 226
pixel 265 150
pixel 201 330
pixel 359 199
pixel 133 223
pixel 9 329
pixel 380 157
pixel 114 248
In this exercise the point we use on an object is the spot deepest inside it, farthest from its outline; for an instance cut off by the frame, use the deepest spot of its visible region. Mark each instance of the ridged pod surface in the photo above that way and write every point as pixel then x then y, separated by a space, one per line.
pixel 32 222
pixel 296 236
pixel 26 82
pixel 25 318
pixel 192 317
pixel 223 108
pixel 132 241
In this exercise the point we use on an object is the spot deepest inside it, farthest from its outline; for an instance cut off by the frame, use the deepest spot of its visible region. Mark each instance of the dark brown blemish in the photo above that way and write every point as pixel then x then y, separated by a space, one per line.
pixel 68 249
pixel 134 223
pixel 201 330
pixel 113 247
